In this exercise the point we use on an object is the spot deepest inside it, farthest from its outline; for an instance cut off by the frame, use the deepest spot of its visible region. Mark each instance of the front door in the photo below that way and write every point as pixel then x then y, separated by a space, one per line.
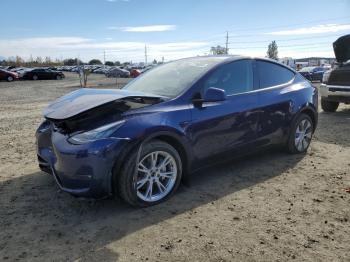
pixel 218 128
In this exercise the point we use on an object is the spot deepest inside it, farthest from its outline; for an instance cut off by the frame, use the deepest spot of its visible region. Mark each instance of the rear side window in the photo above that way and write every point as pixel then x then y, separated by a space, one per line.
pixel 234 78
pixel 271 74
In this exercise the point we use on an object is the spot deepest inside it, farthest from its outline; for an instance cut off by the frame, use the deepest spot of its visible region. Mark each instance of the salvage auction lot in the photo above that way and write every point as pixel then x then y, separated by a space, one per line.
pixel 271 206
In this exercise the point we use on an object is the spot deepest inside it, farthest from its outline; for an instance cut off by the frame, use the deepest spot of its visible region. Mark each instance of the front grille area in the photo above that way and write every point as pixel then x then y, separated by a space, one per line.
pixel 337 89
pixel 340 76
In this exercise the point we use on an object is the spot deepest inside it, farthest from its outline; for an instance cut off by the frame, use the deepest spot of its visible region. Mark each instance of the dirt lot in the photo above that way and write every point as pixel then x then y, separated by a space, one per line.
pixel 270 207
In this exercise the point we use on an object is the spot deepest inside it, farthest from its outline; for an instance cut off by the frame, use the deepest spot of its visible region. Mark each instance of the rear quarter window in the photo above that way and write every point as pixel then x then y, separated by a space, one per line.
pixel 271 74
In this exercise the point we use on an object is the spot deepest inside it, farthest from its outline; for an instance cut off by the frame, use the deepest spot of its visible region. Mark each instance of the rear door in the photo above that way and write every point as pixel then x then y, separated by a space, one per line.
pixel 274 101
pixel 220 127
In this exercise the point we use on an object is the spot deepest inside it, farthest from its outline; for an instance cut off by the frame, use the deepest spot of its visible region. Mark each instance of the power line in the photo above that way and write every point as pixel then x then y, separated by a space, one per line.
pixel 286 40
pixel 226 43
pixel 290 25
pixel 145 54
pixel 304 45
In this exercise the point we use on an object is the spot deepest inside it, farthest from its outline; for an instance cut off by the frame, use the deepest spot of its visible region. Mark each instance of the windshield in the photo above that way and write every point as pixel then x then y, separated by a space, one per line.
pixel 171 79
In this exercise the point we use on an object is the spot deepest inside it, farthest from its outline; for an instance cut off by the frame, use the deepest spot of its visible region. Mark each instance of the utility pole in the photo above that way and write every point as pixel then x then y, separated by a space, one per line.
pixel 145 55
pixel 226 42
pixel 104 59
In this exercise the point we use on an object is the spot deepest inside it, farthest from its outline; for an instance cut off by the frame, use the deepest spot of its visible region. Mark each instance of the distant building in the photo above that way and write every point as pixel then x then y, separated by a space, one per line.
pixel 287 61
pixel 317 61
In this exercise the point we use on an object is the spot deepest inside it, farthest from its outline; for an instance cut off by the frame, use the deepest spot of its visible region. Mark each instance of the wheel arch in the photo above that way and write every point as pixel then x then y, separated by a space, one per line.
pixel 308 110
pixel 311 112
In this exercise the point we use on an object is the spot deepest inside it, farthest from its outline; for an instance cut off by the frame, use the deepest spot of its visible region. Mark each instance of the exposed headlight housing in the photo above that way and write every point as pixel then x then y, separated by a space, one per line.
pixel 44 126
pixel 326 76
pixel 95 134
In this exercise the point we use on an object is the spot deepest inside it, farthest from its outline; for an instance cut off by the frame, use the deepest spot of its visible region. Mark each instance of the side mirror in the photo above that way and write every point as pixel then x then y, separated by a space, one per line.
pixel 214 95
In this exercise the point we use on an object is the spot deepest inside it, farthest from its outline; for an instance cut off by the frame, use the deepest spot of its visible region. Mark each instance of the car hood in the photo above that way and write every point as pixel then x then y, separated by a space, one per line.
pixel 342 48
pixel 85 99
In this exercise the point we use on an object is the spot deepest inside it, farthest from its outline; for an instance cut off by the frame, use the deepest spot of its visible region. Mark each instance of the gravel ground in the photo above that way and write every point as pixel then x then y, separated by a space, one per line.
pixel 266 207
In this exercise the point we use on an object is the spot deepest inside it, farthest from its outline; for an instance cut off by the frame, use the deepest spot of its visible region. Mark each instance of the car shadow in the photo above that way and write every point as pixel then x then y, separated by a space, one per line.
pixel 332 127
pixel 39 221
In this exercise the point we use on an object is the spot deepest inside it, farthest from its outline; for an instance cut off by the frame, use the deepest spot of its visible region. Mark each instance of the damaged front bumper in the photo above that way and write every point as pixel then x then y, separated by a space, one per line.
pixel 81 170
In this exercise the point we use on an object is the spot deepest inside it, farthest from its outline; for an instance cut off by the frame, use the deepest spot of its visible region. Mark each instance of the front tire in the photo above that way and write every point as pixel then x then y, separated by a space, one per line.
pixel 301 134
pixel 58 77
pixel 158 174
pixel 10 79
pixel 35 77
pixel 329 106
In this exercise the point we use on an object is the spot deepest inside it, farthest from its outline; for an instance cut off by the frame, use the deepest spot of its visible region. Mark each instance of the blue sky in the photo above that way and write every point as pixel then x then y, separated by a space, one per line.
pixel 170 29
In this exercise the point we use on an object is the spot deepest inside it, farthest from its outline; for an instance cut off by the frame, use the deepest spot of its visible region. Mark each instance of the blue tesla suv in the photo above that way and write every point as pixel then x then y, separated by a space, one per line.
pixel 140 141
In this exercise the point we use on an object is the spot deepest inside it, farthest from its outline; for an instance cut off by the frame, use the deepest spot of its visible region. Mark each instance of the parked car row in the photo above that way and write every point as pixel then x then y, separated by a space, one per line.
pixel 10 73
pixel 108 71
pixel 29 74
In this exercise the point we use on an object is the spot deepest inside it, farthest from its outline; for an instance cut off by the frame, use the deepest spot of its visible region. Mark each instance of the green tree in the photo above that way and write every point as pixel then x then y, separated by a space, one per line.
pixel 109 63
pixel 218 50
pixel 72 62
pixel 117 63
pixel 95 62
pixel 272 50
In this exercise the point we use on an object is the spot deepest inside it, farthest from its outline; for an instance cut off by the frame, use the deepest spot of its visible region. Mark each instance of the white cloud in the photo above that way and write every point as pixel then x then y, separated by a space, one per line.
pixel 63 47
pixel 319 29
pixel 142 29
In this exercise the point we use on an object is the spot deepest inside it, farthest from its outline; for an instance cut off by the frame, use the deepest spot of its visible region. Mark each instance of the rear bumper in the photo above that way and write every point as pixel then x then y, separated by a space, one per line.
pixel 81 170
pixel 335 93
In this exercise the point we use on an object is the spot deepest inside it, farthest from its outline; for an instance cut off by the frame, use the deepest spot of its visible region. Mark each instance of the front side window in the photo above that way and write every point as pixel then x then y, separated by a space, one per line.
pixel 271 74
pixel 234 78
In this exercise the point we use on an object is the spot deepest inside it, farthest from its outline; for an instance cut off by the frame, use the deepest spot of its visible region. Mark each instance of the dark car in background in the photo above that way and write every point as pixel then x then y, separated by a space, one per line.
pixel 8 75
pixel 313 73
pixel 140 141
pixel 335 88
pixel 42 74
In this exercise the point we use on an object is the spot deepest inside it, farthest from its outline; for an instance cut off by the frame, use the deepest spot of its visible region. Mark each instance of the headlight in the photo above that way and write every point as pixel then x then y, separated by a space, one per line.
pixel 98 133
pixel 326 76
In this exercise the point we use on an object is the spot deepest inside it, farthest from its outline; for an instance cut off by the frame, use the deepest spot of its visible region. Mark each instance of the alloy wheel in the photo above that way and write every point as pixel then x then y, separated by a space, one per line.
pixel 156 176
pixel 303 135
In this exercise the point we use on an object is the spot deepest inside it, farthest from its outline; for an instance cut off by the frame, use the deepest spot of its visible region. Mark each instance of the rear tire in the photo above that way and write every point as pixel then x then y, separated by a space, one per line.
pixel 10 79
pixel 58 77
pixel 329 106
pixel 128 181
pixel 300 135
